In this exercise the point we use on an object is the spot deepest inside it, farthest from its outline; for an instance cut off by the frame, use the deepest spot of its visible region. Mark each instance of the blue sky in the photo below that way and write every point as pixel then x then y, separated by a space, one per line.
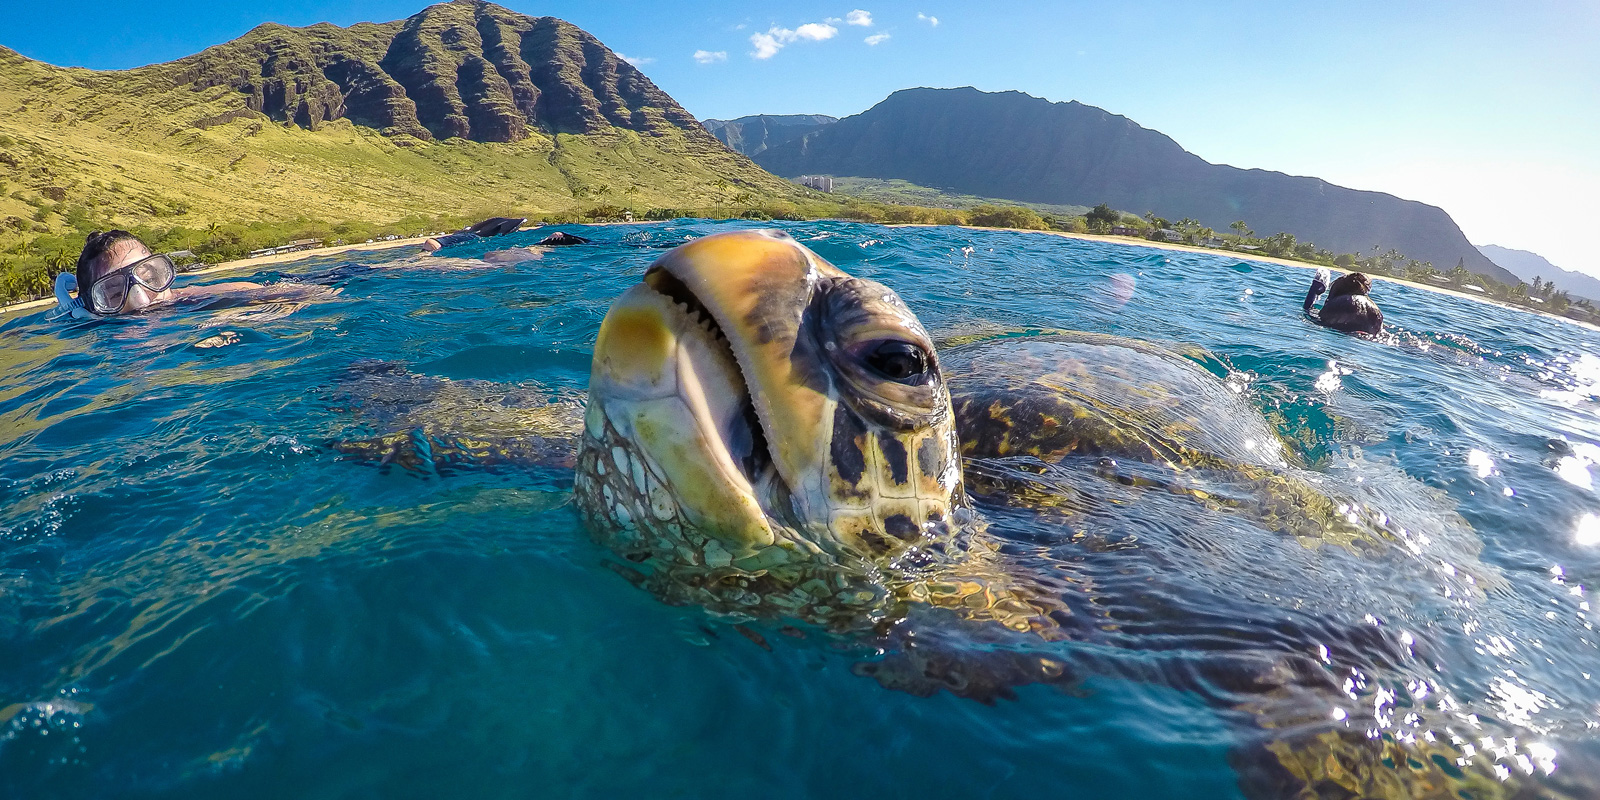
pixel 1490 110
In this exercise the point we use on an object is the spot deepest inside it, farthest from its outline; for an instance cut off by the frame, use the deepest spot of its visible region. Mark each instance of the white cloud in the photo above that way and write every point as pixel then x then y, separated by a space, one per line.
pixel 768 44
pixel 638 62
pixel 710 57
pixel 816 31
pixel 859 17
pixel 876 38
pixel 934 21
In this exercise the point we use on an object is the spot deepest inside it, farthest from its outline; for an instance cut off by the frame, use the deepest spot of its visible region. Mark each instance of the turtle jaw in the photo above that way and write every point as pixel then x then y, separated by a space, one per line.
pixel 669 445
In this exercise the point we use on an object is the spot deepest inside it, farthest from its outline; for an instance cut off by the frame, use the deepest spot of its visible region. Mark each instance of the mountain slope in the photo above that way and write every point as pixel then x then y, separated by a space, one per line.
pixel 753 134
pixel 1527 266
pixel 465 106
pixel 1024 148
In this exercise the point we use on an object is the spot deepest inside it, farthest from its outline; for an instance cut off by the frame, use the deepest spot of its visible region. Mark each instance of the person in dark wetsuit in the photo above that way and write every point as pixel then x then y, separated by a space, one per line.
pixel 496 226
pixel 1348 308
pixel 500 226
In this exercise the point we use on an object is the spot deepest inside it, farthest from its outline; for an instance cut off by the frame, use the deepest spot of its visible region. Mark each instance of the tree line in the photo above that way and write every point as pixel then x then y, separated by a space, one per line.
pixel 28 265
pixel 1390 263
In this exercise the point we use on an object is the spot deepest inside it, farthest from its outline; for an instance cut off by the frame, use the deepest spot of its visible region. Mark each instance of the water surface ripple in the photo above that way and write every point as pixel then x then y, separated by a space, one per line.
pixel 198 598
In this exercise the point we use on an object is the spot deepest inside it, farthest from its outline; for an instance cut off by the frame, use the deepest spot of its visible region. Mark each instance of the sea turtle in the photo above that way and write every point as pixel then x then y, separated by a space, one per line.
pixel 770 437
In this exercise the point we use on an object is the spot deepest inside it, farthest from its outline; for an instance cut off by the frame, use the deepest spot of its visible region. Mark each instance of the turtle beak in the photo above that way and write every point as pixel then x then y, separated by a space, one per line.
pixel 758 287
pixel 666 385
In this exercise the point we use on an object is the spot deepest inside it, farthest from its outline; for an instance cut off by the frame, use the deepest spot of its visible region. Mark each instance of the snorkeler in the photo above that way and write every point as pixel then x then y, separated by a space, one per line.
pixel 1348 307
pixel 499 226
pixel 495 226
pixel 117 275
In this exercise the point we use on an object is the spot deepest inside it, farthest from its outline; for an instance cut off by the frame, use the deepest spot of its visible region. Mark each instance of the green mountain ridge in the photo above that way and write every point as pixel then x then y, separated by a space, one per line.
pixel 753 134
pixel 1528 266
pixel 465 107
pixel 1023 148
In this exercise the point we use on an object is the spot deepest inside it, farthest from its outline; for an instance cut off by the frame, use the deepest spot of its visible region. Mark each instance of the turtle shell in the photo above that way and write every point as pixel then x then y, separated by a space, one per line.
pixel 1087 394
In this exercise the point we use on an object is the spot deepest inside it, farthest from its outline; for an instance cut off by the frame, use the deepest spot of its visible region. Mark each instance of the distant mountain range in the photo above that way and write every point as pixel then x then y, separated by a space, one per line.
pixel 468 107
pixel 753 134
pixel 463 107
pixel 1015 146
pixel 1528 266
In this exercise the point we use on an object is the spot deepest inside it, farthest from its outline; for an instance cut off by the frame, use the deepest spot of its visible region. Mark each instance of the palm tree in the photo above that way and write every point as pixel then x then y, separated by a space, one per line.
pixel 61 260
pixel 1240 228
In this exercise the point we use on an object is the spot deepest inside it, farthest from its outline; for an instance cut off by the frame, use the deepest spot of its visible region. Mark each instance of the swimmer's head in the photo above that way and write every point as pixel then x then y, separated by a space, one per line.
pixel 104 253
pixel 1354 283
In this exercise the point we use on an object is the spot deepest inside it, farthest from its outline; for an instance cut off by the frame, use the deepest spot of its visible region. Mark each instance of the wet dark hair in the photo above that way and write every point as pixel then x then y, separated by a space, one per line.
pixel 1354 283
pixel 93 248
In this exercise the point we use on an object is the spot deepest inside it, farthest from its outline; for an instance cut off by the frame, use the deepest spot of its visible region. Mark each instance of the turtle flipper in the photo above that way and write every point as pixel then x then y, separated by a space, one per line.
pixel 925 670
pixel 439 425
pixel 428 454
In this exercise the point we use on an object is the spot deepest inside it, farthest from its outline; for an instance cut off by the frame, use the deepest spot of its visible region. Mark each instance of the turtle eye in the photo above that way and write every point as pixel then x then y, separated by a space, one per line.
pixel 902 362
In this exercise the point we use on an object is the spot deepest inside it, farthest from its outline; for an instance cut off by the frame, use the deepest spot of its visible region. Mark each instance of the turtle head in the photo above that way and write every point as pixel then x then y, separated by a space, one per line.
pixel 751 404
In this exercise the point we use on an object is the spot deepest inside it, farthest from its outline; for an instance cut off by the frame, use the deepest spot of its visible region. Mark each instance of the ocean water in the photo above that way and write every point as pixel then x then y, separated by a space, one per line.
pixel 199 598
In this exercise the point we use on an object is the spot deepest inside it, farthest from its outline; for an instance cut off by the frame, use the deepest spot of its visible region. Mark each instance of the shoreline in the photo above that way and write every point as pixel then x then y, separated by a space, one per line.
pixel 1187 248
pixel 282 258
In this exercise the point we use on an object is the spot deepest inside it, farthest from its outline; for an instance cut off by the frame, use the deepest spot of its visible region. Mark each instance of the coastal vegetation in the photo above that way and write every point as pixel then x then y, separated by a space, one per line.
pixel 893 191
pixel 345 133
pixel 1390 263
pixel 28 265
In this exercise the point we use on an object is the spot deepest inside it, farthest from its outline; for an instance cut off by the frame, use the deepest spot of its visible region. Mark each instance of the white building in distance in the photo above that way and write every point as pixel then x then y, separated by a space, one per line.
pixel 821 183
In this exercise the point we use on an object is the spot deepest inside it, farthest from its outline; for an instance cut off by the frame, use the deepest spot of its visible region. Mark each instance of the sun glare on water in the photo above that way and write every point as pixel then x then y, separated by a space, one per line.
pixel 1588 530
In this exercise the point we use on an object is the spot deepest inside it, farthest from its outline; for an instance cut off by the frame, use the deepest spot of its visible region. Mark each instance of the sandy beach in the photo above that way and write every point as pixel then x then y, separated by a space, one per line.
pixel 282 258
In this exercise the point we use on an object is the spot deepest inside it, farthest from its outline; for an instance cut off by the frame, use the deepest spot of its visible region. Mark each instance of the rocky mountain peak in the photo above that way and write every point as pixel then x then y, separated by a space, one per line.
pixel 465 69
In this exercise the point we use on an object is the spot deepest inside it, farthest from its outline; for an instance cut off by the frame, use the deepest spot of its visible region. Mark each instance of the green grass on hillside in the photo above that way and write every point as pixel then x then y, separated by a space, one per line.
pixel 81 150
pixel 899 192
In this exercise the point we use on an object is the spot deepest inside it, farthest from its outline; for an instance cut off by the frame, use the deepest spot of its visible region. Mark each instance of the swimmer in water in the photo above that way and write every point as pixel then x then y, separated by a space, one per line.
pixel 1348 308
pixel 118 274
pixel 496 226
pixel 500 226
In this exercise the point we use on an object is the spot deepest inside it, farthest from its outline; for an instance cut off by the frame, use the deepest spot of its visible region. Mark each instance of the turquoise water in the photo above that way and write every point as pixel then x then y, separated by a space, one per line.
pixel 199 598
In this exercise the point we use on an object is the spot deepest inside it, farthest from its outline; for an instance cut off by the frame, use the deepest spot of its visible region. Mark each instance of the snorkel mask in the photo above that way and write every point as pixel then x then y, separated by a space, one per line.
pixel 109 294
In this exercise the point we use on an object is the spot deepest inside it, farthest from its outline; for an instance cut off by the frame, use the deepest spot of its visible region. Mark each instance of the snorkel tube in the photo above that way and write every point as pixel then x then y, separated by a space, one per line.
pixel 1319 285
pixel 66 284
